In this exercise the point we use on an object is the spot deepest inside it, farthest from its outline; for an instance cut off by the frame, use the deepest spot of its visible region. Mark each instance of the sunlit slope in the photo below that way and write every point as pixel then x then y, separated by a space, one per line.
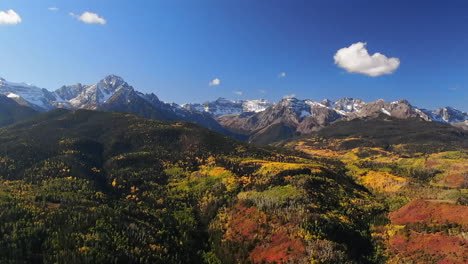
pixel 97 187
pixel 420 175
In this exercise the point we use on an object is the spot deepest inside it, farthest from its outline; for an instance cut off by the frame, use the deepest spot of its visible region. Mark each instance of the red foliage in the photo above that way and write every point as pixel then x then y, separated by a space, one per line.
pixel 425 248
pixel 246 224
pixel 430 212
pixel 280 249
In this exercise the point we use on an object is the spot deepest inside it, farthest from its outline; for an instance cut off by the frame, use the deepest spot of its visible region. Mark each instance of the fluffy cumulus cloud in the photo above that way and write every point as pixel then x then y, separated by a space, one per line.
pixel 282 74
pixel 9 17
pixel 238 92
pixel 357 59
pixel 215 82
pixel 89 18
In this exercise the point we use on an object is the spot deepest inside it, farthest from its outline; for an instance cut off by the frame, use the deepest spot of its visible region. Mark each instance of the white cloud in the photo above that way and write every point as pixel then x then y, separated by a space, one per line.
pixel 53 8
pixel 89 18
pixel 355 58
pixel 282 74
pixel 262 91
pixel 238 92
pixel 9 17
pixel 215 82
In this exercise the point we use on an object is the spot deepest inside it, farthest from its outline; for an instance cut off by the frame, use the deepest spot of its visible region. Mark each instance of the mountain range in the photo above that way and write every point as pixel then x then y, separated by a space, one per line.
pixel 344 182
pixel 260 120
pixel 110 94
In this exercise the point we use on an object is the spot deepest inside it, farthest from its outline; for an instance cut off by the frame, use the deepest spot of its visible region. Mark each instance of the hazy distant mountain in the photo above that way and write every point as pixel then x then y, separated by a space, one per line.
pixel 222 106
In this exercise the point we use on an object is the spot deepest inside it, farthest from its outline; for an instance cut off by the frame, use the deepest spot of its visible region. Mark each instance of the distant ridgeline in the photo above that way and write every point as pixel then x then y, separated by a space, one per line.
pixel 259 121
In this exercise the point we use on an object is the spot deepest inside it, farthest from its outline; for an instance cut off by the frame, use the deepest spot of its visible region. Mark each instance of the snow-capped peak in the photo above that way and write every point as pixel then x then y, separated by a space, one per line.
pixel 255 106
pixel 113 81
pixel 92 96
pixel 111 89
pixel 223 106
pixel 344 105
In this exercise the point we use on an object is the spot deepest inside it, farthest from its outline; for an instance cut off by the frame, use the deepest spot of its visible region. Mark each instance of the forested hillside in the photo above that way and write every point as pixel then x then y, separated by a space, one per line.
pixel 95 187
pixel 419 170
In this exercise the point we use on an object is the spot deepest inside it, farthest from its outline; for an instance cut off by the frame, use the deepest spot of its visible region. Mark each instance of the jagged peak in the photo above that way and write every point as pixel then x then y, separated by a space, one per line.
pixel 113 80
pixel 151 97
pixel 326 102
pixel 113 77
pixel 402 101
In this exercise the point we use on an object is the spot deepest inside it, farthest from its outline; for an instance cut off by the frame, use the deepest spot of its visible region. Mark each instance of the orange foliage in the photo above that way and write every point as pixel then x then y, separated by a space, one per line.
pixel 455 180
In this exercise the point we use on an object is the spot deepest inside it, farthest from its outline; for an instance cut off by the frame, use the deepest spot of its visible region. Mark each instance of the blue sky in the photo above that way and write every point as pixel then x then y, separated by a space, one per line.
pixel 176 48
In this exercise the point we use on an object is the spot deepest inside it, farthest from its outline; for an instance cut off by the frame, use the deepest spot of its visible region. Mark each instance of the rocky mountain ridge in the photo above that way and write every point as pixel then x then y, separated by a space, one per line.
pixel 252 118
pixel 292 116
pixel 110 94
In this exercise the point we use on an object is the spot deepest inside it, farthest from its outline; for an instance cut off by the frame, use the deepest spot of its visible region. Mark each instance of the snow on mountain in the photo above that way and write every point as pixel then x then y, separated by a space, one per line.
pixel 96 95
pixel 255 106
pixel 12 95
pixel 222 106
pixel 352 108
pixel 344 105
pixel 92 96
pixel 27 94
pixel 449 115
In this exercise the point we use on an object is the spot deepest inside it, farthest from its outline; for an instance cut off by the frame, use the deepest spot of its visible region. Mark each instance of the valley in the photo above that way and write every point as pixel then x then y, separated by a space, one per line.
pixel 89 186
